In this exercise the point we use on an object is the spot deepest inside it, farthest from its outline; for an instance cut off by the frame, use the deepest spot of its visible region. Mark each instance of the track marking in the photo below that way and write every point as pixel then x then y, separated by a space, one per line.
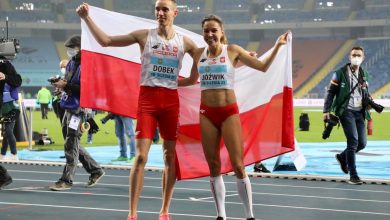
pixel 104 209
pixel 230 191
pixel 234 192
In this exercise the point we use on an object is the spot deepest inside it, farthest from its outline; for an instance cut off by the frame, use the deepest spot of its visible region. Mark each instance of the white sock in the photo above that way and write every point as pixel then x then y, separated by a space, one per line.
pixel 218 190
pixel 244 189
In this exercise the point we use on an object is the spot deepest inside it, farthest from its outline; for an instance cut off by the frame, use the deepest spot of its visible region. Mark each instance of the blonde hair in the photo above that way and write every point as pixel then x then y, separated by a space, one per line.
pixel 217 19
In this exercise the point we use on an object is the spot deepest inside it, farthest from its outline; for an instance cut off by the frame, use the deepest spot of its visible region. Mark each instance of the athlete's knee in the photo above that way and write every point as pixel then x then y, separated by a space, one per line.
pixel 239 170
pixel 140 160
pixel 215 168
pixel 169 156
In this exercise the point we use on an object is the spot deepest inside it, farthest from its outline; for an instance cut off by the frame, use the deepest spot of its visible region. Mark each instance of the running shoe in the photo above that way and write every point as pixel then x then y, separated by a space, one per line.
pixel 342 162
pixel 60 186
pixel 131 159
pixel 6 181
pixel 120 158
pixel 355 180
pixel 164 217
pixel 260 169
pixel 94 178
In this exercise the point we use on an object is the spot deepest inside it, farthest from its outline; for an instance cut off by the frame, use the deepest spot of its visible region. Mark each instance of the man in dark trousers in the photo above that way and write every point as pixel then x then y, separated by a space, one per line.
pixel 8 75
pixel 73 120
pixel 345 98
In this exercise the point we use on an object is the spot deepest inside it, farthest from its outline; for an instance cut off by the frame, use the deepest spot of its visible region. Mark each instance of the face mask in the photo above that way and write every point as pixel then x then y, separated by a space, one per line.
pixel 71 52
pixel 63 70
pixel 356 61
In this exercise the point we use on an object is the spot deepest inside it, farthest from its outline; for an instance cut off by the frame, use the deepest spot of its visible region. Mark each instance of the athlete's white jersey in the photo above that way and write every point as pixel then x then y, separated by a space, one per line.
pixel 161 60
pixel 216 73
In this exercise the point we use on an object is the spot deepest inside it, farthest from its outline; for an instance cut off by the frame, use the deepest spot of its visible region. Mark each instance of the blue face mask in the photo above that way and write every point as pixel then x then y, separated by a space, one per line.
pixel 71 52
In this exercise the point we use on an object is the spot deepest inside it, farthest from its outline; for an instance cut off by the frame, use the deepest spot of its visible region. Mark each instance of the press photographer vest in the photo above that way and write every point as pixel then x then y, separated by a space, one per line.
pixel 10 97
pixel 341 100
pixel 10 93
pixel 68 100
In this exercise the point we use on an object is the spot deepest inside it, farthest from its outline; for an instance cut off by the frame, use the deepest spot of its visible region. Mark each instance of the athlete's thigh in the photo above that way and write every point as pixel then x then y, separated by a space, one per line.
pixel 232 136
pixel 211 139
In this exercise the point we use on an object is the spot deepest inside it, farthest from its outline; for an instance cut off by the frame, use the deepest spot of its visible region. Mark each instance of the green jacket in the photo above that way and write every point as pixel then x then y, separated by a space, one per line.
pixel 337 95
pixel 43 96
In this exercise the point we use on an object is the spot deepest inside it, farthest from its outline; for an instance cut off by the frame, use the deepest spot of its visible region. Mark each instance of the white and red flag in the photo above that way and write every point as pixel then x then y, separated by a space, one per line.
pixel 110 82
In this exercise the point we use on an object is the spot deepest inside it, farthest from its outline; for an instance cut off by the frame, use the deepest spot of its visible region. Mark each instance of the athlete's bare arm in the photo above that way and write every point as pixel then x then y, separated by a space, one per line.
pixel 193 78
pixel 238 53
pixel 189 46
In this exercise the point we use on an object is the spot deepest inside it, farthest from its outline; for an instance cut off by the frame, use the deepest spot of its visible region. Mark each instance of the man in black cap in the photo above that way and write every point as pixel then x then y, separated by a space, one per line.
pixel 9 78
pixel 73 121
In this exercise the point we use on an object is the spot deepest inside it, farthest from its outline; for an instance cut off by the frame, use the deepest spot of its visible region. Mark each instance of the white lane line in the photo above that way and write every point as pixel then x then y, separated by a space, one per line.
pixel 321 197
pixel 228 182
pixel 233 193
pixel 234 203
pixel 317 187
pixel 207 198
pixel 323 209
pixel 105 209
pixel 110 184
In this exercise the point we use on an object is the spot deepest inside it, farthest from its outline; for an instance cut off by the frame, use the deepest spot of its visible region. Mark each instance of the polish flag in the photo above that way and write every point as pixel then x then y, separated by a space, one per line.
pixel 110 82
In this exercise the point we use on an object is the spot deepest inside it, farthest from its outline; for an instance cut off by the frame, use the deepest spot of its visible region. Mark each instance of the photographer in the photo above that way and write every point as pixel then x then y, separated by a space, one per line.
pixel 347 95
pixel 73 121
pixel 9 79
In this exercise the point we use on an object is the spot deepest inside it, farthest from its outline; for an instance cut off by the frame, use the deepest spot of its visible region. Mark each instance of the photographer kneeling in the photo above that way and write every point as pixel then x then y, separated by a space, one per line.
pixel 349 99
pixel 73 121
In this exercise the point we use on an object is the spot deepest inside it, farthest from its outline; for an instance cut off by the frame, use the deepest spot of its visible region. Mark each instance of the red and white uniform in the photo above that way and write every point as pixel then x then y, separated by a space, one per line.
pixel 158 103
pixel 216 73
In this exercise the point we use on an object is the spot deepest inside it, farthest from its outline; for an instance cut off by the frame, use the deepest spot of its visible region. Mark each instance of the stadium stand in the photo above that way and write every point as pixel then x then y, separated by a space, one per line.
pixel 323 71
pixel 144 8
pixel 37 60
pixel 231 5
pixel 376 63
pixel 374 13
pixel 320 42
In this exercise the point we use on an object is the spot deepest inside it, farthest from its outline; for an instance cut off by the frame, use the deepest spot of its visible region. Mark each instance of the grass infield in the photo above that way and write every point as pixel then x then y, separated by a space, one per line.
pixel 106 135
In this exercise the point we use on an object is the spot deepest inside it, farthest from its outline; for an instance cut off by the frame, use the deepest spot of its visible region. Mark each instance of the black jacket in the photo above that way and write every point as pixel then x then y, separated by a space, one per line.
pixel 11 77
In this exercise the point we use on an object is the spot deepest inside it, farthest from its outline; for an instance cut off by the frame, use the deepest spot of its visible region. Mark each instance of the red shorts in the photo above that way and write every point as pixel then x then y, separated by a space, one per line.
pixel 217 115
pixel 157 106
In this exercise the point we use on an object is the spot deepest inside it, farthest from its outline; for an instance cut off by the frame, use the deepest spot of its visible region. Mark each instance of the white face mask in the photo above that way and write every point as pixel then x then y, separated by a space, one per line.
pixel 71 52
pixel 356 61
pixel 63 70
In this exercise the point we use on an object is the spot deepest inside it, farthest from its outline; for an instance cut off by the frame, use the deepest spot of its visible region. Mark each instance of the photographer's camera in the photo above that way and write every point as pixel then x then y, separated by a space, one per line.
pixel 54 79
pixel 329 124
pixel 106 118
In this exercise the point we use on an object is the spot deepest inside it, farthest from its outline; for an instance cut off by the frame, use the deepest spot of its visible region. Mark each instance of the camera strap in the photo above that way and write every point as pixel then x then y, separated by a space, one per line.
pixel 353 89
